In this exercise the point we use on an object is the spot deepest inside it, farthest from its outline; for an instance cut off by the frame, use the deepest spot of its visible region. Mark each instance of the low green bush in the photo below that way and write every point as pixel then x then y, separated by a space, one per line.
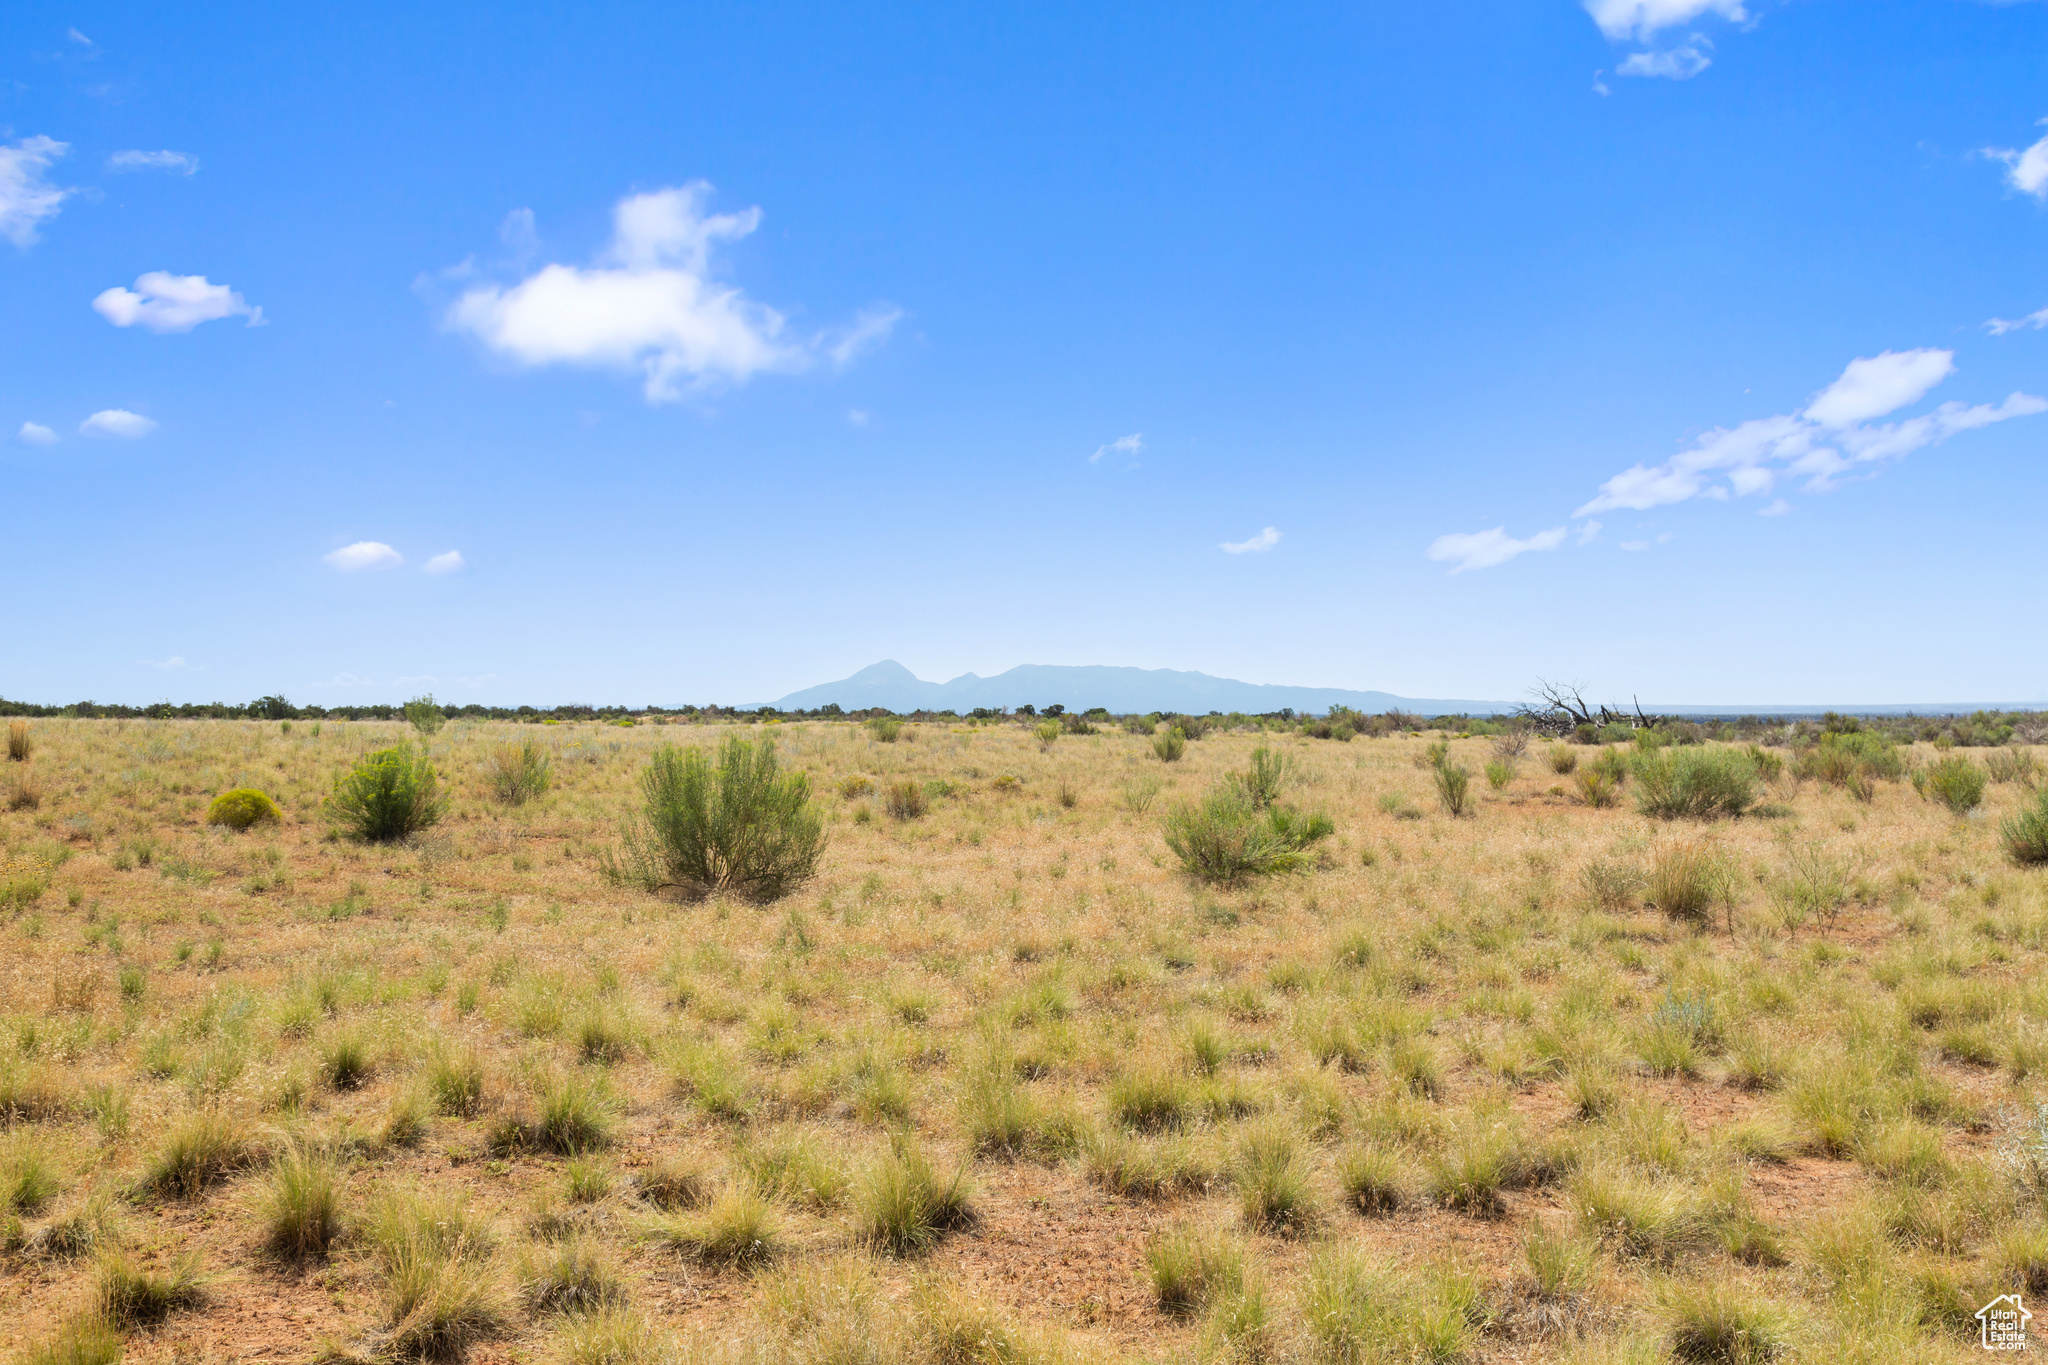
pixel 388 795
pixel 1223 839
pixel 2025 835
pixel 1954 781
pixel 425 714
pixel 742 826
pixel 1695 783
pixel 1453 786
pixel 241 808
pixel 1170 744
pixel 519 772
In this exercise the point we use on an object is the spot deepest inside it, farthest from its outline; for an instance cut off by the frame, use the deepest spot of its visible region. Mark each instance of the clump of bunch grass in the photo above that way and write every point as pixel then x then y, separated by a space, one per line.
pixel 19 746
pixel 1700 783
pixel 1687 878
pixel 1372 1179
pixel 571 1275
pixel 300 1205
pixel 1170 744
pixel 519 771
pixel 455 1080
pixel 1274 1191
pixel 1266 778
pixel 388 795
pixel 242 808
pixel 738 1228
pixel 1358 1310
pixel 439 1289
pixel 1189 1268
pixel 577 1113
pixel 1564 759
pixel 741 826
pixel 1716 1323
pixel 1953 781
pixel 903 1205
pixel 200 1151
pixel 130 1295
pixel 612 1335
pixel 2025 834
pixel 885 729
pixel 88 1339
pixel 905 800
pixel 1224 838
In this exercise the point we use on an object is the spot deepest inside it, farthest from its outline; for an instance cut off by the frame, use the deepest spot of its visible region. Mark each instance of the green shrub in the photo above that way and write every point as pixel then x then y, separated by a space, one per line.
pixel 1563 759
pixel 425 715
pixel 1263 781
pixel 388 795
pixel 1954 781
pixel 1170 744
pixel 2025 835
pixel 1596 788
pixel 1453 781
pixel 1223 839
pixel 2011 765
pixel 241 808
pixel 885 729
pixel 1046 731
pixel 1499 774
pixel 519 772
pixel 742 826
pixel 1694 783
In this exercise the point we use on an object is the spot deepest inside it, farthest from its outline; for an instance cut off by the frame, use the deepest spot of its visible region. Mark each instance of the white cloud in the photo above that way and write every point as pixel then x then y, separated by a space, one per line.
pixel 1122 445
pixel 26 196
pixel 1257 545
pixel 1830 438
pixel 1777 507
pixel 164 302
pixel 451 562
pixel 1635 546
pixel 36 434
pixel 170 665
pixel 364 554
pixel 2034 321
pixel 1484 549
pixel 2025 170
pixel 650 304
pixel 116 422
pixel 1589 533
pixel 1873 386
pixel 78 37
pixel 857 417
pixel 1622 20
pixel 519 233
pixel 1674 64
pixel 184 163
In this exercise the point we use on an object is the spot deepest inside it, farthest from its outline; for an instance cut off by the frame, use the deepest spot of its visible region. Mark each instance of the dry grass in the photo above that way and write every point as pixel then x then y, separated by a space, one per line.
pixel 1003 1076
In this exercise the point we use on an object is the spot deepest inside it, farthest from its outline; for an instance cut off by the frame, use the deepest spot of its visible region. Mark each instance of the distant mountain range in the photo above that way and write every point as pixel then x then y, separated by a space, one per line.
pixel 1123 690
pixel 1130 690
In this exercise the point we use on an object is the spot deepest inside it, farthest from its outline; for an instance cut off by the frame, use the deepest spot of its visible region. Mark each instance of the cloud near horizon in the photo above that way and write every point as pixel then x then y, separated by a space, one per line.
pixel 1830 438
pixel 164 302
pixel 1257 545
pixel 27 197
pixel 650 304
pixel 1484 549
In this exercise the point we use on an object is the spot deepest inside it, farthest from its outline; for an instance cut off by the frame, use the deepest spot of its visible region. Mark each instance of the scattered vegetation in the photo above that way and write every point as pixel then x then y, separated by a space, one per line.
pixel 242 808
pixel 389 795
pixel 741 826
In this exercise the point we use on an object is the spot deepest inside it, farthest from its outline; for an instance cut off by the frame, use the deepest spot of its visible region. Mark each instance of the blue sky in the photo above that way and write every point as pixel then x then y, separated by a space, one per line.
pixel 1688 348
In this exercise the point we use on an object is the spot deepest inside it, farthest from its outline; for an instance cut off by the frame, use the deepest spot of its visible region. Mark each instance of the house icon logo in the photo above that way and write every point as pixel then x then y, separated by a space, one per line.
pixel 2005 1321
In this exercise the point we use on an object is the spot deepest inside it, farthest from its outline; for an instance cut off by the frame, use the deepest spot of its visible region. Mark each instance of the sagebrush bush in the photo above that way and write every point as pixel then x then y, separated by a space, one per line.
pixel 2025 834
pixel 1498 774
pixel 1694 783
pixel 520 771
pixel 1954 781
pixel 241 808
pixel 388 795
pixel 1223 839
pixel 742 827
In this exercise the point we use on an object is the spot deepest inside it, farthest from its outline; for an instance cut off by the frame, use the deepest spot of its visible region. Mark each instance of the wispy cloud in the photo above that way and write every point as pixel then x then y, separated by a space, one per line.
pixel 1833 436
pixel 36 434
pixel 364 554
pixel 179 163
pixel 1680 63
pixel 1123 445
pixel 164 302
pixel 116 422
pixel 1485 549
pixel 2026 169
pixel 450 562
pixel 170 665
pixel 651 304
pixel 27 198
pixel 1257 545
pixel 1639 20
pixel 2034 321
